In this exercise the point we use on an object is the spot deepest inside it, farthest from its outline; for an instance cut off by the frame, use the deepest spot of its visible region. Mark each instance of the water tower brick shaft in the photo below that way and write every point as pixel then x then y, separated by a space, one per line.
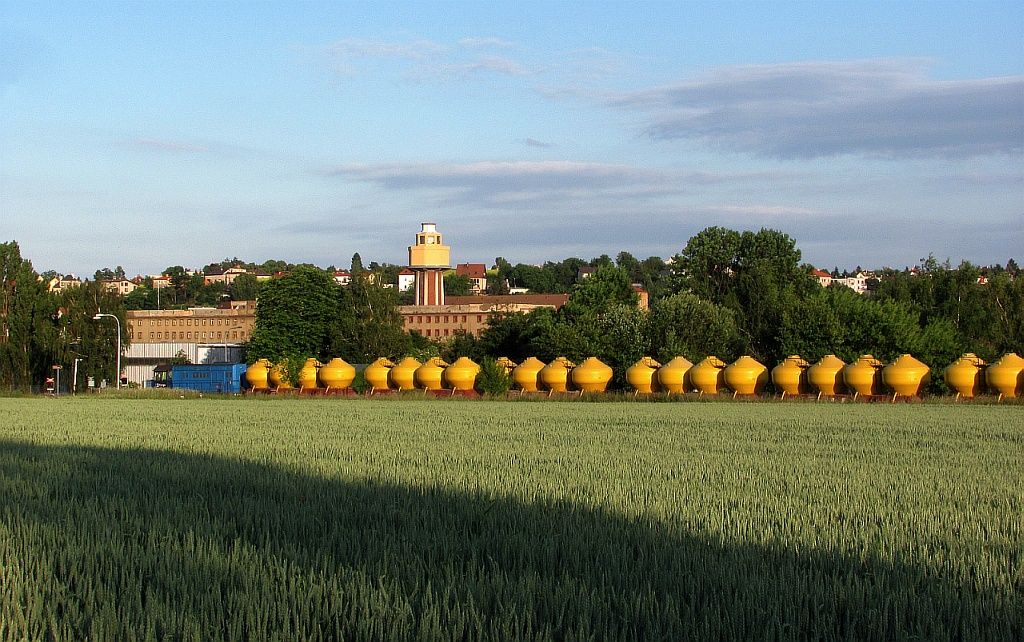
pixel 429 258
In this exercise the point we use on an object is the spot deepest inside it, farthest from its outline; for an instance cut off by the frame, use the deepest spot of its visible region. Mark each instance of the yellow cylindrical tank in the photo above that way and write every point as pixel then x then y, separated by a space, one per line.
pixel 790 376
pixel 672 377
pixel 527 374
pixel 258 374
pixel 641 375
pixel 746 376
pixel 378 374
pixel 592 375
pixel 708 376
pixel 307 374
pixel 429 375
pixel 966 375
pixel 1004 376
pixel 337 374
pixel 906 376
pixel 461 375
pixel 555 375
pixel 278 378
pixel 827 375
pixel 403 375
pixel 864 376
pixel 507 364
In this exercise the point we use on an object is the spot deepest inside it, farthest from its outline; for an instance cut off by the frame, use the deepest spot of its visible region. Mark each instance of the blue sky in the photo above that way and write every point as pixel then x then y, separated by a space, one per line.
pixel 151 134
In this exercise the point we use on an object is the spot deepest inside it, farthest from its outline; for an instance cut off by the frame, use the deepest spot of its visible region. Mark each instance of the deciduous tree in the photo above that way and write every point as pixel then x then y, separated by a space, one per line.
pixel 295 316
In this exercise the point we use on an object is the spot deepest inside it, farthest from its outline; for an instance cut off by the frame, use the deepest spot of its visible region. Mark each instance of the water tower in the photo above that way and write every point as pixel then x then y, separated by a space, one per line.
pixel 429 258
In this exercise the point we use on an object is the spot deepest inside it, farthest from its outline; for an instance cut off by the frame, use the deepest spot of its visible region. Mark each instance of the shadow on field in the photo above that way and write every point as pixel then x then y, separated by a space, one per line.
pixel 135 544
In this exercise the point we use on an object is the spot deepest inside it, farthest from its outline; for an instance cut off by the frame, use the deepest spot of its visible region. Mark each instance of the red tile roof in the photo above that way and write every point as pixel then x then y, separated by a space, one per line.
pixel 472 270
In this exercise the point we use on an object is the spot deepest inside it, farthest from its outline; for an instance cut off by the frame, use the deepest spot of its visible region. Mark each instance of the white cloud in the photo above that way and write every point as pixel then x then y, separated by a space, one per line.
pixel 485 64
pixel 549 185
pixel 486 43
pixel 422 59
pixel 365 48
pixel 533 142
pixel 763 210
pixel 886 108
pixel 170 145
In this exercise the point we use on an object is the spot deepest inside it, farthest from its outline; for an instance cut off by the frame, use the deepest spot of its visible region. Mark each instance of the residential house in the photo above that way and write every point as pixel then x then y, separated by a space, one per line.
pixel 477 275
pixel 220 275
pixel 59 284
pixel 124 287
pixel 406 280
pixel 824 278
pixel 858 282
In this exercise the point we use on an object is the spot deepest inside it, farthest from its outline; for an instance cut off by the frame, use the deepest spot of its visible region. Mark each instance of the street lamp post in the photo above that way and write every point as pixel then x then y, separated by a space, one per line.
pixel 100 315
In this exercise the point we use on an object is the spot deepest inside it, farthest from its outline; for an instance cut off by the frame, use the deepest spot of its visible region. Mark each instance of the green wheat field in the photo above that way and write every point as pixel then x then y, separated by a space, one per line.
pixel 355 519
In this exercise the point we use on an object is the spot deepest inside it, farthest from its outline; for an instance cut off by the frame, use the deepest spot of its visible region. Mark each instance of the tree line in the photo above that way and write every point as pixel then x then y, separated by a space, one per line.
pixel 40 329
pixel 553 277
pixel 731 293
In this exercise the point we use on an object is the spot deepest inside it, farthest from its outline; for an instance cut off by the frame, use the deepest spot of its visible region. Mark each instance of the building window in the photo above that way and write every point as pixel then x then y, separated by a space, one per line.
pixel 150 335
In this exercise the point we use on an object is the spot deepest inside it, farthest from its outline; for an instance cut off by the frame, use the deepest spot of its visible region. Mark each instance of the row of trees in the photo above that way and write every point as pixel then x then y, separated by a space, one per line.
pixel 40 329
pixel 730 293
pixel 190 289
pixel 560 277
pixel 552 277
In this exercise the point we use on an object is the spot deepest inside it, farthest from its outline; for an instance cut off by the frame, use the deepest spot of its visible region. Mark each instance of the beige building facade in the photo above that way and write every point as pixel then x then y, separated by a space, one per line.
pixel 231 324
pixel 470 314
